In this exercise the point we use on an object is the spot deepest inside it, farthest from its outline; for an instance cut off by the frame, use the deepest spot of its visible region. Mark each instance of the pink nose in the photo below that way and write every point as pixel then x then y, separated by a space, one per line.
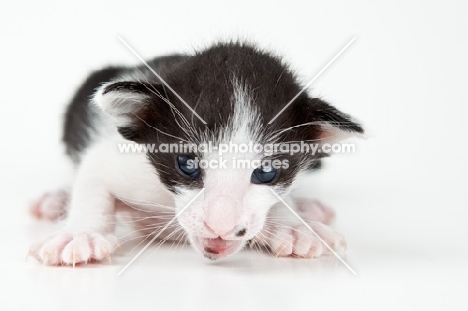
pixel 219 230
pixel 221 216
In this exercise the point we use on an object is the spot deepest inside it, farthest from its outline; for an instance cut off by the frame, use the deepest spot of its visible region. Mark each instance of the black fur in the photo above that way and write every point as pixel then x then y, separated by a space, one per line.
pixel 81 115
pixel 79 124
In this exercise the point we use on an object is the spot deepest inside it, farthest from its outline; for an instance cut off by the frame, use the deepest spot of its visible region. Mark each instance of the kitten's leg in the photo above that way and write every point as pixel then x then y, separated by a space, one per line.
pixel 314 210
pixel 285 235
pixel 51 205
pixel 88 231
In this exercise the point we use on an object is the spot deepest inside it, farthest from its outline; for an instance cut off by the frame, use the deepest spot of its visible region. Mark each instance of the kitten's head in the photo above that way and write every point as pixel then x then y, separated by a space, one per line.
pixel 221 163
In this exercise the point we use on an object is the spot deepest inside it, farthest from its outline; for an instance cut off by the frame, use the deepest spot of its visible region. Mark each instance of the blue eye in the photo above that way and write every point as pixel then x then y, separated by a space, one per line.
pixel 188 167
pixel 263 175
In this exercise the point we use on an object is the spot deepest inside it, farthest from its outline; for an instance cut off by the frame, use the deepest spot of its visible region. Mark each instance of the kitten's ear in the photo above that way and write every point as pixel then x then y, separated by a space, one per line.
pixel 330 124
pixel 132 105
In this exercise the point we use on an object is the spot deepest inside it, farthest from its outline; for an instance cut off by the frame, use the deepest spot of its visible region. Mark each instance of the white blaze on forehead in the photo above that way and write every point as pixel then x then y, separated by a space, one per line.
pixel 243 128
pixel 245 123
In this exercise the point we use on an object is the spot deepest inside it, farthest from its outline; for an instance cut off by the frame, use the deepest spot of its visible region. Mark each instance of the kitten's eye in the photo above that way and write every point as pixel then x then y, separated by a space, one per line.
pixel 188 167
pixel 263 175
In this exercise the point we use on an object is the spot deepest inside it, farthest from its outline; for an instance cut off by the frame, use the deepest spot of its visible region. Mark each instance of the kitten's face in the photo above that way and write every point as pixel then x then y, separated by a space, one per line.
pixel 223 195
pixel 237 90
pixel 229 211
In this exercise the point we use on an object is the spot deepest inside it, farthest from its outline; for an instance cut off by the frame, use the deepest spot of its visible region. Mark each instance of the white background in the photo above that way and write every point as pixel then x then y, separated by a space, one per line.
pixel 401 199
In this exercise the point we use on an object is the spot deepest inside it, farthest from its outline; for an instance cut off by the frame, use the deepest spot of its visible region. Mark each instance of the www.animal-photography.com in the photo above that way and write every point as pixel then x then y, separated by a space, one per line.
pixel 234 155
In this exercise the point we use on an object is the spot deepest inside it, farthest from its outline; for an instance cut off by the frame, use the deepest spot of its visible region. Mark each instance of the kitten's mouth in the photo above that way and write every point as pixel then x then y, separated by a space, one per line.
pixel 217 248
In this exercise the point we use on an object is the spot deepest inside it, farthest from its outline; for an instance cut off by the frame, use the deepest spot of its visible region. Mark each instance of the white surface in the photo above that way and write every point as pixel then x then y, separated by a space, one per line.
pixel 401 199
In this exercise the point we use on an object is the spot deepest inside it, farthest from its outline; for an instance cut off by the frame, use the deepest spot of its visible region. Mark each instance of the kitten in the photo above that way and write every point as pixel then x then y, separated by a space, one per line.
pixel 218 98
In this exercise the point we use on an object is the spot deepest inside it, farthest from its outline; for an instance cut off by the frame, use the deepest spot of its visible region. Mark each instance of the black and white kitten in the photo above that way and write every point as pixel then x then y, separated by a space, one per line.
pixel 235 90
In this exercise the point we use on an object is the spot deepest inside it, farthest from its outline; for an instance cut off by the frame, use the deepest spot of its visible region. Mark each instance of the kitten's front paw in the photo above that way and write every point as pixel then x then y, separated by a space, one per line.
pixel 70 249
pixel 299 241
